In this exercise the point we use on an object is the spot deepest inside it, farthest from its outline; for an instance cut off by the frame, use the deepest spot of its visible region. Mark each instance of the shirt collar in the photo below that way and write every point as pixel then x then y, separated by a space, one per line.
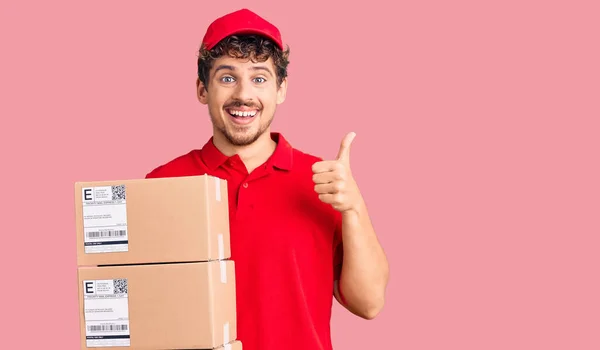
pixel 281 157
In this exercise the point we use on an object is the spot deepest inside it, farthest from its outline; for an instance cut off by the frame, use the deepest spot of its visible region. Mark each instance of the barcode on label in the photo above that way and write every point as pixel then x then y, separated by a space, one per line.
pixel 108 328
pixel 101 234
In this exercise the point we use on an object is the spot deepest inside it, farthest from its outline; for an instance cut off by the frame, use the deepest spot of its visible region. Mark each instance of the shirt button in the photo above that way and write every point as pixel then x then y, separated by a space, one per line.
pixel 245 185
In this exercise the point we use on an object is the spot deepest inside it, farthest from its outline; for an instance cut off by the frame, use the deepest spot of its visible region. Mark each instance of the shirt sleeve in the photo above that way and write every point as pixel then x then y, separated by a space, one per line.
pixel 338 248
pixel 155 173
pixel 338 257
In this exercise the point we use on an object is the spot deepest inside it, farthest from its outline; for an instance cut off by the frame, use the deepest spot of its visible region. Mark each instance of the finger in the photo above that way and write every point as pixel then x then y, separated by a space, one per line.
pixel 344 152
pixel 324 166
pixel 325 188
pixel 328 198
pixel 325 178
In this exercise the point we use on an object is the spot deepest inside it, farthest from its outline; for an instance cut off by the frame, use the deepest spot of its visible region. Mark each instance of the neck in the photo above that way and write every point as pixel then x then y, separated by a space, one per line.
pixel 252 155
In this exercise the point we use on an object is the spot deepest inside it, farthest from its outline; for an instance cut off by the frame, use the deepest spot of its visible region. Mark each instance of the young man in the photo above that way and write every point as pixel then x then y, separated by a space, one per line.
pixel 300 231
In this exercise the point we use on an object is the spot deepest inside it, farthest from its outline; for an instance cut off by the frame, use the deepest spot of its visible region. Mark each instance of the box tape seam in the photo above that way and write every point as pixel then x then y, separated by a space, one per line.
pixel 226 333
pixel 221 246
pixel 218 189
pixel 223 268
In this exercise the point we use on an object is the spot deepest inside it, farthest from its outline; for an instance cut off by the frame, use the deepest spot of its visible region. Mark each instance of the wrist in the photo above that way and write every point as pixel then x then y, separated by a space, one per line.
pixel 354 211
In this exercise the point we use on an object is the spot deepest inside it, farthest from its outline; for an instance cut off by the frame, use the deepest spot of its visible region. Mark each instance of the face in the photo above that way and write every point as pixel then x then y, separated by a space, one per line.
pixel 242 97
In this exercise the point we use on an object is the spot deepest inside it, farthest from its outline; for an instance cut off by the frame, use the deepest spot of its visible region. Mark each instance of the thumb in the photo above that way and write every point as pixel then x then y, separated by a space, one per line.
pixel 344 152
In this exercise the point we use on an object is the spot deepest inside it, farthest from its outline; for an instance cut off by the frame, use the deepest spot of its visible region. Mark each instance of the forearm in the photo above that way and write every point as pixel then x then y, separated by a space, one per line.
pixel 365 270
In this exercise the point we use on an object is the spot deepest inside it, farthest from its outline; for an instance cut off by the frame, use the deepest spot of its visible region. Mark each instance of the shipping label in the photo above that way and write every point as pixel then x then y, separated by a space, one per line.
pixel 105 219
pixel 106 309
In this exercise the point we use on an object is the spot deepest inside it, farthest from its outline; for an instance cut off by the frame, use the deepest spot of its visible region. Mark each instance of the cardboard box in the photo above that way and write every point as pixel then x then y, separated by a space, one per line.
pixel 236 345
pixel 158 306
pixel 180 219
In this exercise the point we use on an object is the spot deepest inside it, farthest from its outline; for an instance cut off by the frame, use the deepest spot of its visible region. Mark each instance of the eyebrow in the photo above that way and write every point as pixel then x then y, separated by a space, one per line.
pixel 224 67
pixel 263 68
pixel 232 68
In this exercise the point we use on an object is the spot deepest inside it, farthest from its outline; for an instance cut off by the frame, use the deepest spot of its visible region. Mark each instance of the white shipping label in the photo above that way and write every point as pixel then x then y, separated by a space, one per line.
pixel 106 309
pixel 105 219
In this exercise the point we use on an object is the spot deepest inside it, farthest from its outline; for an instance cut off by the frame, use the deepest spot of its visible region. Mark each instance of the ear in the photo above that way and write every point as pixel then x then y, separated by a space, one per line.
pixel 201 91
pixel 282 91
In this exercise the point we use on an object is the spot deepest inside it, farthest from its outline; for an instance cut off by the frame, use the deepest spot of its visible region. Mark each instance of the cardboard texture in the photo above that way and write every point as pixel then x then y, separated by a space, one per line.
pixel 236 345
pixel 180 219
pixel 159 306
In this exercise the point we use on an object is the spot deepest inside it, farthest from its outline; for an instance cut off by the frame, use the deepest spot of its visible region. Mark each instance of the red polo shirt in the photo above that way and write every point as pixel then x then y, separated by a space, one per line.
pixel 284 240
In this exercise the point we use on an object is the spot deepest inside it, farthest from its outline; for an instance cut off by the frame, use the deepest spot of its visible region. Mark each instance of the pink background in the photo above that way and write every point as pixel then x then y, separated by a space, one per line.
pixel 477 150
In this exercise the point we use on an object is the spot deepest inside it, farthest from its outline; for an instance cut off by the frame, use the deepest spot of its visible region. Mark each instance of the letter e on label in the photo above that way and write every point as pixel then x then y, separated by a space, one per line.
pixel 88 195
pixel 89 287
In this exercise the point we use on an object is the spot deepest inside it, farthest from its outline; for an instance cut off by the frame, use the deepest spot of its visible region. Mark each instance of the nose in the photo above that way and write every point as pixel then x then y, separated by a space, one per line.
pixel 243 91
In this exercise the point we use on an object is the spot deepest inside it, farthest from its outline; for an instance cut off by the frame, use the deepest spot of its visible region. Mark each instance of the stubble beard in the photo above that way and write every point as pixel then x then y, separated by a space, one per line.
pixel 240 139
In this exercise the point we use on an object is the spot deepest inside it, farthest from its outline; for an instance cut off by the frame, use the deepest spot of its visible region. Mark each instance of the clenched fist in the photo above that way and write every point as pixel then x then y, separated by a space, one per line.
pixel 333 179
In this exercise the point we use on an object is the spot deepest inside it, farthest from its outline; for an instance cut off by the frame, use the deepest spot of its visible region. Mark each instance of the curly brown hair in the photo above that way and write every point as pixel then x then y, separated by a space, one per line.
pixel 254 47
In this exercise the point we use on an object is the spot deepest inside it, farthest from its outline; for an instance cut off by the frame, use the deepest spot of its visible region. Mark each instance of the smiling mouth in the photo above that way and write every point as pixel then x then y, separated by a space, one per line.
pixel 242 117
pixel 242 114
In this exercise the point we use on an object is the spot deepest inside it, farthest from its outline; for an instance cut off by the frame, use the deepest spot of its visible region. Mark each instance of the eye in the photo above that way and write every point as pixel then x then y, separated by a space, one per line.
pixel 260 80
pixel 227 79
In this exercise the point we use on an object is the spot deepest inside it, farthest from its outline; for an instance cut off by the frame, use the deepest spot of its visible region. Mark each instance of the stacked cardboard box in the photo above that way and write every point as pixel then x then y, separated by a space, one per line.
pixel 154 265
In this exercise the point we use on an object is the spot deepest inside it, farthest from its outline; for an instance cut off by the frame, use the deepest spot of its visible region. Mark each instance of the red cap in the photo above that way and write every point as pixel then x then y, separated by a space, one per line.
pixel 242 21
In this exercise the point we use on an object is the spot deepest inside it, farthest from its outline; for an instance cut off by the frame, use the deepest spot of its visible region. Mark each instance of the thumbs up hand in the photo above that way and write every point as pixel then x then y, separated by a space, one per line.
pixel 333 179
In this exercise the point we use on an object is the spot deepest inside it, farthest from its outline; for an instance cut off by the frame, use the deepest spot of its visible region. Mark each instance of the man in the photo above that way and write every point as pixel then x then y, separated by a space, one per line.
pixel 300 231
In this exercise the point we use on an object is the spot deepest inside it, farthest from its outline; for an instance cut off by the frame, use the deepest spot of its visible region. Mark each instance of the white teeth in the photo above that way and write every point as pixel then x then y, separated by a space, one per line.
pixel 243 114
